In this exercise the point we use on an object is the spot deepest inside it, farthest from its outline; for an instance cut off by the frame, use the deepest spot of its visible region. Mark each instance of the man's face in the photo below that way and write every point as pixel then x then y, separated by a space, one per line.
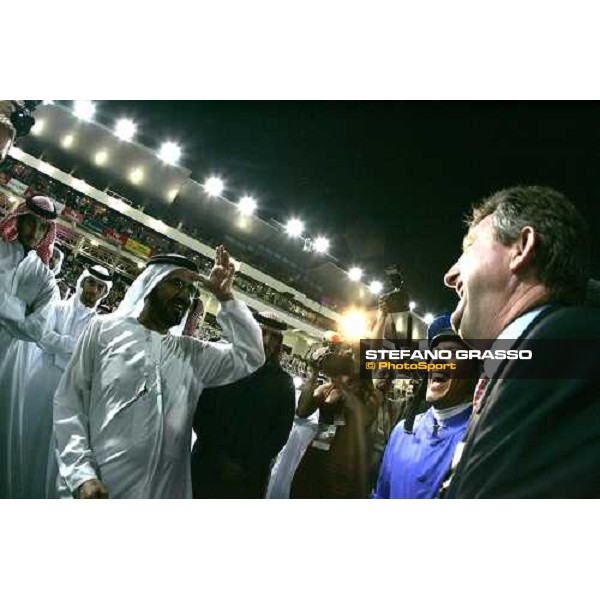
pixel 480 277
pixel 271 343
pixel 31 230
pixel 446 388
pixel 91 291
pixel 172 297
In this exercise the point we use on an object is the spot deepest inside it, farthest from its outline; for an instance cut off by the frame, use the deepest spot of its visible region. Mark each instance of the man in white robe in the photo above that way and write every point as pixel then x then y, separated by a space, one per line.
pixel 282 474
pixel 124 407
pixel 27 287
pixel 67 320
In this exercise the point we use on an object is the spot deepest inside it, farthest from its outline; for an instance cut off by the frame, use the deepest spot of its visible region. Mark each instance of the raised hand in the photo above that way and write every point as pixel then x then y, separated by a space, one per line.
pixel 220 279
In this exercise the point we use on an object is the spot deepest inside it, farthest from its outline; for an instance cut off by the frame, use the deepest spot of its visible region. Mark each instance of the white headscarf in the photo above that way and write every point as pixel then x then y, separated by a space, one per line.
pixel 59 261
pixel 133 302
pixel 87 273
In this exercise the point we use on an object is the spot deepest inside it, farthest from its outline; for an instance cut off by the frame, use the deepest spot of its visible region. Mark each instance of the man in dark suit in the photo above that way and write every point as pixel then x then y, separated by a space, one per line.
pixel 535 432
pixel 241 427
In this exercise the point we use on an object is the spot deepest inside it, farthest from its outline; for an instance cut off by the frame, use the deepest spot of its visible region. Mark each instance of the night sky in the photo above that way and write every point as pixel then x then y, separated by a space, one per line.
pixel 388 182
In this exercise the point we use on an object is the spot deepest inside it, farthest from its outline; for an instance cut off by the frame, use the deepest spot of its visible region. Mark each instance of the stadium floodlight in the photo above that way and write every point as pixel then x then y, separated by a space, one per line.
pixel 294 228
pixel 354 325
pixel 214 186
pixel 412 305
pixel 84 109
pixel 355 274
pixel 136 176
pixel 38 127
pixel 428 318
pixel 321 244
pixel 125 129
pixel 68 140
pixel 247 206
pixel 376 287
pixel 101 157
pixel 169 153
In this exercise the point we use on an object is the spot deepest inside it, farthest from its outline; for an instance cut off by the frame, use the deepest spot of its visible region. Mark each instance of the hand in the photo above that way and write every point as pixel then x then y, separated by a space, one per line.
pixel 322 391
pixel 220 279
pixel 91 489
pixel 383 309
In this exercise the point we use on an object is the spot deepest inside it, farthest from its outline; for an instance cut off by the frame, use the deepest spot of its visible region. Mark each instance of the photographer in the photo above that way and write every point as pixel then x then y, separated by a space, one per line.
pixel 336 463
pixel 15 121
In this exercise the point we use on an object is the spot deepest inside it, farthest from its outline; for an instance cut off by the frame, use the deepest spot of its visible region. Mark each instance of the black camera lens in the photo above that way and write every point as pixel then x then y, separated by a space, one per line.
pixel 21 116
pixel 22 122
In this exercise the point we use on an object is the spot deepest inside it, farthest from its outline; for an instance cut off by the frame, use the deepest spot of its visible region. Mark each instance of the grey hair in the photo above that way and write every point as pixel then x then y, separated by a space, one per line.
pixel 561 255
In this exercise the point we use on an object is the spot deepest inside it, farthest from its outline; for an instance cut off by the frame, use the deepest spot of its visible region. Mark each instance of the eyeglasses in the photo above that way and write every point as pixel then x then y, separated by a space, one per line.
pixel 182 285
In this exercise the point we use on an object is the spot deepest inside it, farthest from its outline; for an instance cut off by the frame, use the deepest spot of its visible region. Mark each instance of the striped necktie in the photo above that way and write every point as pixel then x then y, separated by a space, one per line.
pixel 479 392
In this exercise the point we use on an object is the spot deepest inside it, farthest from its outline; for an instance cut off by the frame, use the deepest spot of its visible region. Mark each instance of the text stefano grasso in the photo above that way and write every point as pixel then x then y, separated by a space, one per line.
pixel 448 354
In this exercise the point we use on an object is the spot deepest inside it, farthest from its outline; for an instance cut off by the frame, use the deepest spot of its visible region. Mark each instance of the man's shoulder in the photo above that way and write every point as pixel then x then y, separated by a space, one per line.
pixel 281 374
pixel 399 430
pixel 109 324
pixel 566 322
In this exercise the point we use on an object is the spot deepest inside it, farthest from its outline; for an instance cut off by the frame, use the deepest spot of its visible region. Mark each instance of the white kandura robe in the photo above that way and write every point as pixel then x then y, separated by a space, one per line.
pixel 26 288
pixel 284 468
pixel 124 407
pixel 67 320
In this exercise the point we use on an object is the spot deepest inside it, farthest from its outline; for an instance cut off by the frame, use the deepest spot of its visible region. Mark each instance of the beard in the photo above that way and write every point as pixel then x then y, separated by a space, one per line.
pixel 164 311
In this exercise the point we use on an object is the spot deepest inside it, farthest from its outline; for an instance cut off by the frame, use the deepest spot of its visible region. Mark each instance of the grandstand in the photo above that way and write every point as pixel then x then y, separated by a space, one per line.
pixel 119 220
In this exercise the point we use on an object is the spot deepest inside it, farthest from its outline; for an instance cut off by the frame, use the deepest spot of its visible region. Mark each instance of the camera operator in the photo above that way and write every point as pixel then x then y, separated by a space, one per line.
pixel 15 121
pixel 336 463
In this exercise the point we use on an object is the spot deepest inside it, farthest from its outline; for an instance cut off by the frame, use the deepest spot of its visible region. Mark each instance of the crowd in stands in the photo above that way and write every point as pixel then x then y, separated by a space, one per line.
pixel 98 217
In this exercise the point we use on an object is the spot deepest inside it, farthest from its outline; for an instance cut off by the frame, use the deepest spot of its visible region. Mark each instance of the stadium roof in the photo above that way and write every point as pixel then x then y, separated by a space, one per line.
pixel 93 153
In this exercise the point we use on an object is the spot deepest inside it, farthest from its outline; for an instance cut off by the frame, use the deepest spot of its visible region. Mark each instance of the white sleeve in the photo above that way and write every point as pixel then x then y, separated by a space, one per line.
pixel 11 307
pixel 71 412
pixel 52 342
pixel 62 346
pixel 223 363
pixel 31 327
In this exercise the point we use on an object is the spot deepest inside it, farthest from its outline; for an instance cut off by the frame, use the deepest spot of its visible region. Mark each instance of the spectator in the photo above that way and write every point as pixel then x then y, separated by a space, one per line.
pixel 525 263
pixel 241 427
pixel 26 241
pixel 336 463
pixel 66 322
pixel 416 461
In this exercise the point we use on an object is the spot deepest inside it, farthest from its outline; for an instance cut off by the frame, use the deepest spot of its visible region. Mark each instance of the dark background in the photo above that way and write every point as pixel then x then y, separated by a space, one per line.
pixel 388 182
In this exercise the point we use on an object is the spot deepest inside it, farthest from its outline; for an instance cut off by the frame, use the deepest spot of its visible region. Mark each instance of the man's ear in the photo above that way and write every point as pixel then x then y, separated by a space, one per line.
pixel 523 249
